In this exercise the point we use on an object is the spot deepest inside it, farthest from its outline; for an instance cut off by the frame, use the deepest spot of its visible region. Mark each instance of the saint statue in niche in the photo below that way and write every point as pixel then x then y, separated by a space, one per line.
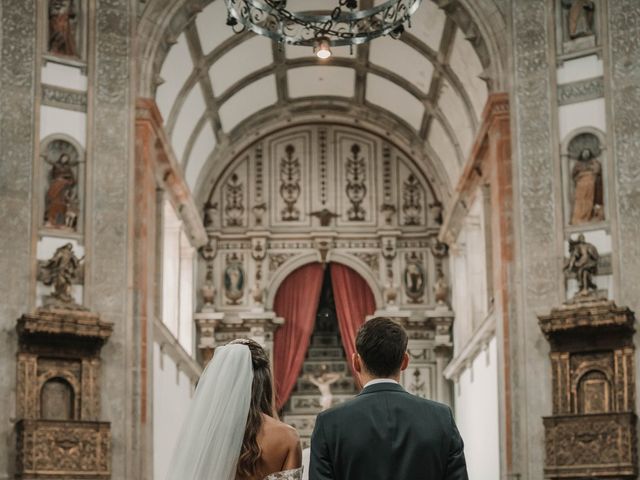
pixel 580 17
pixel 414 278
pixel 62 28
pixel 588 198
pixel 62 205
pixel 234 280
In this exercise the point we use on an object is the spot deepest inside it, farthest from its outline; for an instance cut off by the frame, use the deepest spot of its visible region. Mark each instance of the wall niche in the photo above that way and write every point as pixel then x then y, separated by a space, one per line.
pixel 584 170
pixel 63 180
pixel 65 38
pixel 578 27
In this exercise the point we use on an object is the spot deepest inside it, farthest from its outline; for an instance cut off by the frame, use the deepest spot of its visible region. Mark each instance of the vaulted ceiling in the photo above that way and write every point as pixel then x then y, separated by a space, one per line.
pixel 433 81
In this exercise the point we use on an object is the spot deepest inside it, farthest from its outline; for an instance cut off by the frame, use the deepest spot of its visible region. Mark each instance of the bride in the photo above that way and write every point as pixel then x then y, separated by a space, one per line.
pixel 231 431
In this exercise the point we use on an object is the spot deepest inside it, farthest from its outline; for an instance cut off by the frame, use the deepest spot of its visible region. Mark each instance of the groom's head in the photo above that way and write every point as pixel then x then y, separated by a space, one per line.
pixel 381 346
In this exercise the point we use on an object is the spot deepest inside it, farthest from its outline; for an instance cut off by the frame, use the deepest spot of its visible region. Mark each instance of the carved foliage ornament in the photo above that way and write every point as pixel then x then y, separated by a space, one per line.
pixel 412 201
pixel 356 189
pixel 290 175
pixel 234 196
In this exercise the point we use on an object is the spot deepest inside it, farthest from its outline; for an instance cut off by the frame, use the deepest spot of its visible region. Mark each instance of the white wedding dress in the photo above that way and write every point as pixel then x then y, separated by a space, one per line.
pixel 295 474
pixel 210 441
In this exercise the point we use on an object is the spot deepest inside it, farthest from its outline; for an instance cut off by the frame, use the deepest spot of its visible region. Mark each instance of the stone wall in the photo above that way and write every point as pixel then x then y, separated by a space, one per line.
pixel 17 118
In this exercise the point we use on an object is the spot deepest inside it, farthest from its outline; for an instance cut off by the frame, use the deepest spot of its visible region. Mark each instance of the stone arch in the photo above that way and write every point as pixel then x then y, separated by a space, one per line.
pixel 312 257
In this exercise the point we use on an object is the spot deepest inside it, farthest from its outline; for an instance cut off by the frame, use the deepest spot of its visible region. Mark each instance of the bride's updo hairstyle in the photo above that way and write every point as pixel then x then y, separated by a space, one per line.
pixel 261 403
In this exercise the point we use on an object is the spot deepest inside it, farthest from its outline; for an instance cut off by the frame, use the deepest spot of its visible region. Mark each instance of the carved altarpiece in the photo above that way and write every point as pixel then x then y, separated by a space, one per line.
pixel 58 433
pixel 592 432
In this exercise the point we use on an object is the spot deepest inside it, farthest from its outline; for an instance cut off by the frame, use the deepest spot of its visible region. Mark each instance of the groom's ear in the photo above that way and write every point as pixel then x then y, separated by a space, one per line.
pixel 357 364
pixel 405 362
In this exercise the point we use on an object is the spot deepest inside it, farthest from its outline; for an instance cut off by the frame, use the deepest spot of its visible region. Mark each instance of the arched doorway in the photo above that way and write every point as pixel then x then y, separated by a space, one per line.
pixel 323 306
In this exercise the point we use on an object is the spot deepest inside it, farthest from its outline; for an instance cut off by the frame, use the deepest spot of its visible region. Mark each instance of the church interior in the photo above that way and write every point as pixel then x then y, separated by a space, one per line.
pixel 177 174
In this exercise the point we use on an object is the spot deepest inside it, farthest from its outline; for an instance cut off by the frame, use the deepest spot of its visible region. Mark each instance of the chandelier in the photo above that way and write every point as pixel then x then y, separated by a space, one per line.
pixel 345 24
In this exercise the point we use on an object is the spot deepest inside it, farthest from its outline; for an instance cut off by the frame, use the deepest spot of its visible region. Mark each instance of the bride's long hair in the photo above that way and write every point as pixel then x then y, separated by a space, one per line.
pixel 262 402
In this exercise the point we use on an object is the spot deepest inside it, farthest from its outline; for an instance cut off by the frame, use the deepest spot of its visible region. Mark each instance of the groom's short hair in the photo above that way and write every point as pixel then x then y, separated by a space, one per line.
pixel 381 344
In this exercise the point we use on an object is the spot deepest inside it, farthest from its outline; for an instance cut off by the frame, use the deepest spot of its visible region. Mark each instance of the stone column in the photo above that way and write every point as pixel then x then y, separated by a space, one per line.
pixel 17 124
pixel 537 277
pixel 261 327
pixel 442 320
pixel 207 323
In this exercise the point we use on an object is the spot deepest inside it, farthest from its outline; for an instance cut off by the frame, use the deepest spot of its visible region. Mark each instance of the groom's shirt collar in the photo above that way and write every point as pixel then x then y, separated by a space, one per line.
pixel 376 381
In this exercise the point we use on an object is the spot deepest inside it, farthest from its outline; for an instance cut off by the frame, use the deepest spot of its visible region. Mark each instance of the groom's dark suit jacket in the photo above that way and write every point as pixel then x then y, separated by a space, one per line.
pixel 386 433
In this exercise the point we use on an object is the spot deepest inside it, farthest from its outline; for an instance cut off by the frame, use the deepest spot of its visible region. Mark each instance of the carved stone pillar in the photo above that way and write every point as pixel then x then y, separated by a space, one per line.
pixel 592 432
pixel 443 349
pixel 207 323
pixel 58 434
pixel 261 327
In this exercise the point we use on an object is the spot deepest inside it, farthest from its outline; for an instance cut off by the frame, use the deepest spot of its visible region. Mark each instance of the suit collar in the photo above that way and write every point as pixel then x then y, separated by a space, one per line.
pixel 382 387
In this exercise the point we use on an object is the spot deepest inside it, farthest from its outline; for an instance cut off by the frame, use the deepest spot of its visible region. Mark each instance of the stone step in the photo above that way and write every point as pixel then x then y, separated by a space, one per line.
pixel 314 366
pixel 310 404
pixel 346 385
pixel 326 353
pixel 325 340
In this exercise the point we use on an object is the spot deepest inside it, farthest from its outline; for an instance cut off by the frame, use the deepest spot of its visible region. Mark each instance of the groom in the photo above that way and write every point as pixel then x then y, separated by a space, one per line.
pixel 385 433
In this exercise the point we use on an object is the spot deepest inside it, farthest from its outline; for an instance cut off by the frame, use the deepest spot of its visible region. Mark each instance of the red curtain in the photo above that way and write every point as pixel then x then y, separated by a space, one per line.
pixel 354 302
pixel 297 302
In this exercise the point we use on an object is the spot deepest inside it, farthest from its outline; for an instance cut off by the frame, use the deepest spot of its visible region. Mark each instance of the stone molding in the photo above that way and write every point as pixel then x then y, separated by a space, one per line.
pixel 66 98
pixel 170 346
pixel 168 172
pixel 496 109
pixel 581 91
pixel 476 344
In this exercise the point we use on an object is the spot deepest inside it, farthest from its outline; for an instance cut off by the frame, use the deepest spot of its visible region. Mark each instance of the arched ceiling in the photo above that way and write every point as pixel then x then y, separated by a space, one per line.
pixel 434 81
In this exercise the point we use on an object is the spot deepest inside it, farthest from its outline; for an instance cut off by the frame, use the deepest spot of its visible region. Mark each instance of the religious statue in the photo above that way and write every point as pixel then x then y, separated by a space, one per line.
pixel 62 17
pixel 414 278
pixel 580 17
pixel 60 271
pixel 588 197
pixel 583 262
pixel 234 280
pixel 61 201
pixel 441 288
pixel 323 381
pixel 208 290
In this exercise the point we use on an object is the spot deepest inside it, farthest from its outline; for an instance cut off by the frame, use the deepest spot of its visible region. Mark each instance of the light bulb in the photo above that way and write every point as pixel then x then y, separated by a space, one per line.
pixel 321 48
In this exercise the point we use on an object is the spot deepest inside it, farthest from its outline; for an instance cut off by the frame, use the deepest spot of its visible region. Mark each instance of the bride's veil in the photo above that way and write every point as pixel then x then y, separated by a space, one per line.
pixel 210 441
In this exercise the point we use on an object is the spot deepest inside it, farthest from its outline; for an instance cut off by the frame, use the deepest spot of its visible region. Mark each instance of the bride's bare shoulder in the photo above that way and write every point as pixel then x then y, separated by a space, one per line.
pixel 275 429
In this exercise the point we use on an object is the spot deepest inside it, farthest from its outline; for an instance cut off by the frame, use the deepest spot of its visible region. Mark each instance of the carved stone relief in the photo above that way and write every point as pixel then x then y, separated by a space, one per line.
pixel 276 260
pixel 356 188
pixel 412 201
pixel 234 204
pixel 290 173
pixel 62 196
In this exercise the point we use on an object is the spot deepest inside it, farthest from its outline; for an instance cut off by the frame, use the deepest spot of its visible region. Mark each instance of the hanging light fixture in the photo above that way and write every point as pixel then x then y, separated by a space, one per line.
pixel 321 48
pixel 345 24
